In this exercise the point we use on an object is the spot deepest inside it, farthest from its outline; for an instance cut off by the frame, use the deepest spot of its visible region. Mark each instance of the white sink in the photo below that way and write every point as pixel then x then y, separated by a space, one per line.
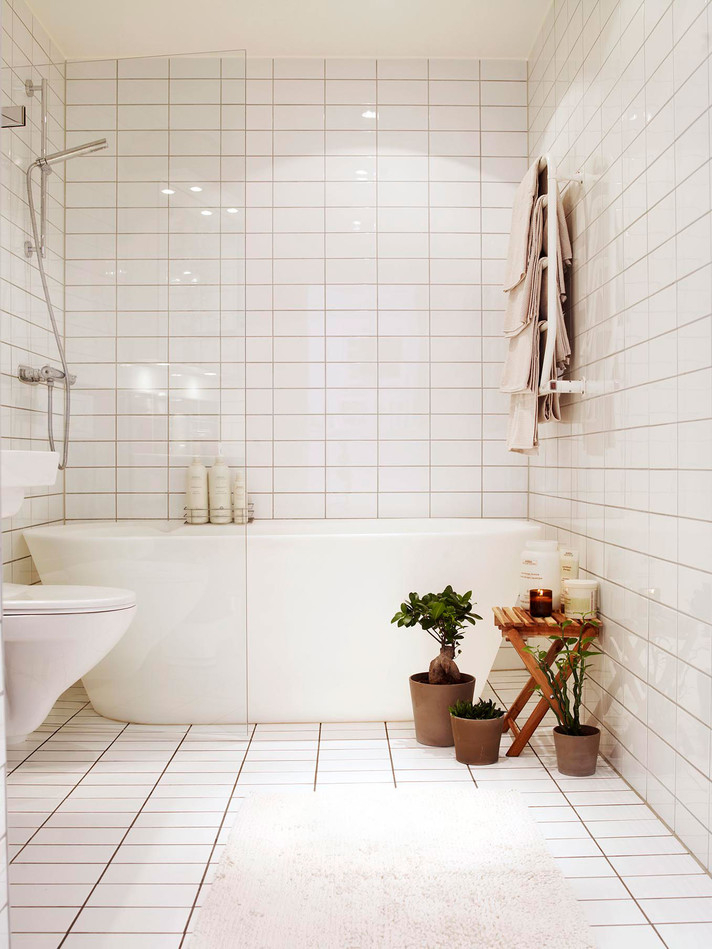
pixel 20 470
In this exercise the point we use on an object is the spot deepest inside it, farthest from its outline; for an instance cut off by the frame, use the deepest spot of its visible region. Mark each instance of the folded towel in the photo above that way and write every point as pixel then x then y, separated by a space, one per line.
pixel 519 241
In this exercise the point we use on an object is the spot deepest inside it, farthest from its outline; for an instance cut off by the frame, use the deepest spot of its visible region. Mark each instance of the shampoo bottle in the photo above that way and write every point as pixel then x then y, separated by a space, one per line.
pixel 569 563
pixel 196 493
pixel 219 492
pixel 239 498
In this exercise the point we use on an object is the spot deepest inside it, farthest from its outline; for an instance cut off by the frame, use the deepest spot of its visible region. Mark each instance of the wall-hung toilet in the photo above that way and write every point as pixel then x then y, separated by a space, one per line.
pixel 54 635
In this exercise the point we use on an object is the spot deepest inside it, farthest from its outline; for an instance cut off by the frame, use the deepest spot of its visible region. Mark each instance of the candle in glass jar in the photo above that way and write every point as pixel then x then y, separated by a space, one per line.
pixel 540 603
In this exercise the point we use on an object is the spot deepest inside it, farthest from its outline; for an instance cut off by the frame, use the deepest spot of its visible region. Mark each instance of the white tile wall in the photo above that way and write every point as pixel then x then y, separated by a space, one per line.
pixel 622 91
pixel 25 333
pixel 155 278
pixel 27 52
pixel 377 200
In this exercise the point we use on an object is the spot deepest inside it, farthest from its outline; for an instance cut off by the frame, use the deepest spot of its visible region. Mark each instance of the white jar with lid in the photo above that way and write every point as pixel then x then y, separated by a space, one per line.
pixel 540 568
pixel 580 598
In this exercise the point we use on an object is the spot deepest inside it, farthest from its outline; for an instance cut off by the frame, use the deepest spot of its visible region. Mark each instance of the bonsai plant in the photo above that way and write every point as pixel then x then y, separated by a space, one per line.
pixel 576 744
pixel 477 730
pixel 444 616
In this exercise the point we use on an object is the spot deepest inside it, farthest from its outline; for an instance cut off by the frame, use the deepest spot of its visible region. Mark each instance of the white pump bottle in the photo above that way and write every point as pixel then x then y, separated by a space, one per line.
pixel 219 492
pixel 196 493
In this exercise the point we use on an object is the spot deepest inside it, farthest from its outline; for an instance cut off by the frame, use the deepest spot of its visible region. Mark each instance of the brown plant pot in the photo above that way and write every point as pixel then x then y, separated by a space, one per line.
pixel 477 739
pixel 576 755
pixel 431 707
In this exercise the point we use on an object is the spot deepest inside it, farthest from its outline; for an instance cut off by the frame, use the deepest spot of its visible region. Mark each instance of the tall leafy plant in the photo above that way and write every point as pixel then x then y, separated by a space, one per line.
pixel 444 616
pixel 572 662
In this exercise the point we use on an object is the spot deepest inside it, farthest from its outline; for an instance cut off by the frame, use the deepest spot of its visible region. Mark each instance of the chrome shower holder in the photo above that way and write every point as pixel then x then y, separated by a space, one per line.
pixel 47 375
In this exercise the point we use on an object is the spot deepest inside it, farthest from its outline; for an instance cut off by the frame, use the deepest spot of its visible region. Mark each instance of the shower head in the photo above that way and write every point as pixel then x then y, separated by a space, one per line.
pixel 67 153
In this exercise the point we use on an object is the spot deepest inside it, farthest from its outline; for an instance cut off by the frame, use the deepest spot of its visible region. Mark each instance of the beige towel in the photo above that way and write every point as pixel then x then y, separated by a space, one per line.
pixel 523 300
pixel 518 253
pixel 525 325
pixel 520 372
pixel 523 425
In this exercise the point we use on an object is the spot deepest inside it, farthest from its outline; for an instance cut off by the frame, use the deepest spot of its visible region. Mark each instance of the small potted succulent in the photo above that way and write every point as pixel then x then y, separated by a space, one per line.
pixel 444 616
pixel 477 730
pixel 576 744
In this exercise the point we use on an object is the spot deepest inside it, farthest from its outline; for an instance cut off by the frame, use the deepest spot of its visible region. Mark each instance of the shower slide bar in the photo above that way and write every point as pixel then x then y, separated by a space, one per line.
pixel 548 385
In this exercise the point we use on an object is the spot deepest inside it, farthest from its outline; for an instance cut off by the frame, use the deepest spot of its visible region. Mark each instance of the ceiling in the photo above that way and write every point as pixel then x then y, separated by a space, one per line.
pixel 497 29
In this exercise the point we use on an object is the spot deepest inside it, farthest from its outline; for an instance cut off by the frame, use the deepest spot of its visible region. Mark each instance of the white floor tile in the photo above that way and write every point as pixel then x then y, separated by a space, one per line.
pixel 163 853
pixel 678 910
pixel 145 894
pixel 692 936
pixel 613 913
pixel 36 940
pixel 599 888
pixel 122 941
pixel 42 919
pixel 627 937
pixel 640 846
pixel 644 866
pixel 42 873
pixel 132 920
pixel 573 847
pixel 658 887
pixel 57 894
pixel 585 867
pixel 154 873
pixel 354 777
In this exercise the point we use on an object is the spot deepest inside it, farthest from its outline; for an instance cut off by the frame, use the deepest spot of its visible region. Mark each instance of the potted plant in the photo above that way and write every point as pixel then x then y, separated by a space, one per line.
pixel 477 730
pixel 576 744
pixel 444 616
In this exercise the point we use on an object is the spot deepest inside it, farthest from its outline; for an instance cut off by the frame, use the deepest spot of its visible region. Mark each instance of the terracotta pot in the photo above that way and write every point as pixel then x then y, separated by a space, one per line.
pixel 576 755
pixel 477 740
pixel 431 707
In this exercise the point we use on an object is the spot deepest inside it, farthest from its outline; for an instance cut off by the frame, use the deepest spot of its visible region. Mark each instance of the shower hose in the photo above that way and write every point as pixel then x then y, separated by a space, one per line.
pixel 50 375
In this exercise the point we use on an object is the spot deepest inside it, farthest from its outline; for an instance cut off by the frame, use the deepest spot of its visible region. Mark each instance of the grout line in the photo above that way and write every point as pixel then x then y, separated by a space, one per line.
pixel 51 735
pixel 605 856
pixel 316 763
pixel 390 754
pixel 217 837
pixel 69 793
pixel 125 835
pixel 591 836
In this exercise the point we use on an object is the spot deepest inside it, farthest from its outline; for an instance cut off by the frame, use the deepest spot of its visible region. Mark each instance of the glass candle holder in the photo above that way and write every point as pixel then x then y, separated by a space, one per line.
pixel 540 603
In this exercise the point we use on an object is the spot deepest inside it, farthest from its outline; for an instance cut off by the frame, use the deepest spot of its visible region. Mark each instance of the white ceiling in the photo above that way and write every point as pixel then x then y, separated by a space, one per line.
pixel 497 29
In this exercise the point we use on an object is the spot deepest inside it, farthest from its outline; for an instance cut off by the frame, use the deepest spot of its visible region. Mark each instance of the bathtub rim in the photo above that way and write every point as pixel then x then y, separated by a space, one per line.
pixel 312 528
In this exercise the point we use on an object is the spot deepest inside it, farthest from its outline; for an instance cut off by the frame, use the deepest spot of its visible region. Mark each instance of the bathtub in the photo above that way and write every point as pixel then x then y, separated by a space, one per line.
pixel 286 621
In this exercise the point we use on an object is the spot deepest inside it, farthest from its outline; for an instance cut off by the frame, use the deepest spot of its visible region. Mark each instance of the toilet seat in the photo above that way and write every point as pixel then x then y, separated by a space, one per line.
pixel 22 600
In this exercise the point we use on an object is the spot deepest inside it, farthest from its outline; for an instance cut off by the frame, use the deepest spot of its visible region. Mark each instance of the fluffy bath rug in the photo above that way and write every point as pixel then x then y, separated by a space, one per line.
pixel 386 868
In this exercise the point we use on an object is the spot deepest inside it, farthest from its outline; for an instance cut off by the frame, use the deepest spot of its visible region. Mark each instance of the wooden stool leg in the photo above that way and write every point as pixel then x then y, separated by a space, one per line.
pixel 528 728
pixel 521 700
pixel 543 705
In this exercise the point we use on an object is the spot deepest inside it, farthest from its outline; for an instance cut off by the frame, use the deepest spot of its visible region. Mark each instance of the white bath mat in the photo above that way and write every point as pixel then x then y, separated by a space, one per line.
pixel 380 868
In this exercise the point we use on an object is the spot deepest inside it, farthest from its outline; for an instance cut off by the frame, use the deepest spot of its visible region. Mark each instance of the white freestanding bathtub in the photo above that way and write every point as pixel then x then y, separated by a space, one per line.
pixel 286 622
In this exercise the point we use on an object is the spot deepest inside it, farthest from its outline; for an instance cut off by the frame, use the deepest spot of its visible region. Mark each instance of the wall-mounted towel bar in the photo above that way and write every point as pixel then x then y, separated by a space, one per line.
pixel 547 384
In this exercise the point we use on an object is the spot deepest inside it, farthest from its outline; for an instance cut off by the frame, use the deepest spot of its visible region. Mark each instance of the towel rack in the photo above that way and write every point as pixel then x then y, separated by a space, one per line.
pixel 548 385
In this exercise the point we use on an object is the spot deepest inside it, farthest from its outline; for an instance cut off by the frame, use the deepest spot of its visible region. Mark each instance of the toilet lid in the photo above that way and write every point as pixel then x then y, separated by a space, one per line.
pixel 47 598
